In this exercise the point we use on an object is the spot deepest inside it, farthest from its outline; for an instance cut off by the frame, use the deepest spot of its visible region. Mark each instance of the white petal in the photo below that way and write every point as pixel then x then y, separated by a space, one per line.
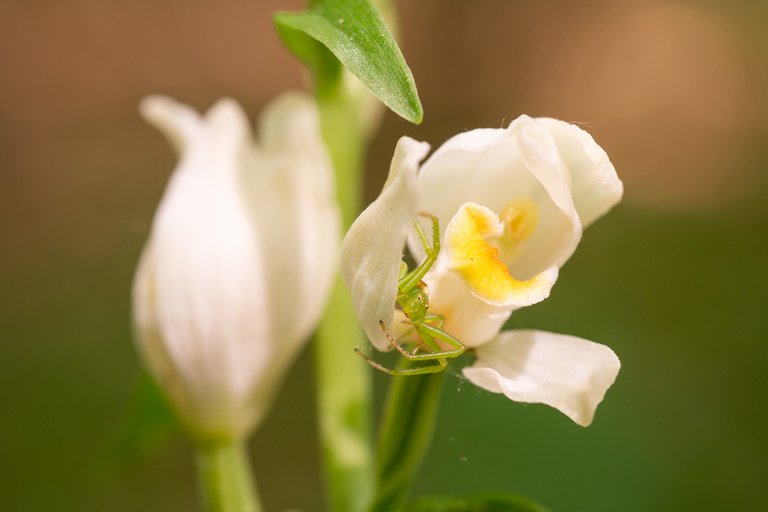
pixel 568 373
pixel 373 247
pixel 595 186
pixel 178 122
pixel 555 240
pixel 295 211
pixel 293 204
pixel 150 336
pixel 473 166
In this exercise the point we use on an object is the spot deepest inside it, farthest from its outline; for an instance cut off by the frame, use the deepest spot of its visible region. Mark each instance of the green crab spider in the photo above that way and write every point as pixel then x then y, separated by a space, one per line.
pixel 428 327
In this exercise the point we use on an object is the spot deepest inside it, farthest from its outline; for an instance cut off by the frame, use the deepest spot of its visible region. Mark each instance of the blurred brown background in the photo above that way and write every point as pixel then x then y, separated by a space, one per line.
pixel 674 280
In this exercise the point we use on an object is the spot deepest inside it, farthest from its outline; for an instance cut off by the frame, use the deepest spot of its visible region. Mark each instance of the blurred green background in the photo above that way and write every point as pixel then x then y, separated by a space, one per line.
pixel 674 280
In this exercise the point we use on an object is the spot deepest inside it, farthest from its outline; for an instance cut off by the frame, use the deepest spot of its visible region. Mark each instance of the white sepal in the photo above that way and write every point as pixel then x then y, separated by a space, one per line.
pixel 373 247
pixel 565 372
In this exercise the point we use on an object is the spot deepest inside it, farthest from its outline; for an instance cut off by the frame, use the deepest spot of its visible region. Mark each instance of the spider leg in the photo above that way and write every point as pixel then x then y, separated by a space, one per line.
pixel 443 336
pixel 432 328
pixel 417 345
pixel 419 370
pixel 436 364
pixel 430 334
pixel 413 278
pixel 408 331
pixel 403 270
pixel 435 320
pixel 392 340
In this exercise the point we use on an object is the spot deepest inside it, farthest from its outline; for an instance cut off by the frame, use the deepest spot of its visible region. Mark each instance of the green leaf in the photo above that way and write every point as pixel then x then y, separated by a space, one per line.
pixel 353 32
pixel 476 503
pixel 148 427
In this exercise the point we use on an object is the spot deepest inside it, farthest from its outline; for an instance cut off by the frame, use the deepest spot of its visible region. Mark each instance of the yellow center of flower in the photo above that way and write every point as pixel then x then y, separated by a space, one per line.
pixel 520 218
pixel 477 261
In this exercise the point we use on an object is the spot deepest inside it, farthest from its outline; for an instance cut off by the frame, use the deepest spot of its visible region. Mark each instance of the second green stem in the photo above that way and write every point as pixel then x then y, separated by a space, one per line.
pixel 343 384
pixel 226 477
pixel 405 435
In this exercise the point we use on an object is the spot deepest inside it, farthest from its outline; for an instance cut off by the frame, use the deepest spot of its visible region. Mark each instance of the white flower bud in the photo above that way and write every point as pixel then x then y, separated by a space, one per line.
pixel 239 261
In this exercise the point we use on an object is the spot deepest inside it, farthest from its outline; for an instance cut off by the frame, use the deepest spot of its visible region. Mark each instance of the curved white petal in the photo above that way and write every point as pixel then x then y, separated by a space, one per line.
pixel 558 236
pixel 496 167
pixel 373 247
pixel 217 316
pixel 291 199
pixel 568 373
pixel 595 186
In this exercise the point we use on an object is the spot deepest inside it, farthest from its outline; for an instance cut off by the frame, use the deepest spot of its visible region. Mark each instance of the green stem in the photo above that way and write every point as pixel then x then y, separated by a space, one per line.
pixel 406 432
pixel 344 386
pixel 348 116
pixel 344 409
pixel 226 478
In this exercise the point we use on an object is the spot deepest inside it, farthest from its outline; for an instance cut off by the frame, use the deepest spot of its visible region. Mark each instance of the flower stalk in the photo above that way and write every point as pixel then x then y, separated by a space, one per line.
pixel 344 386
pixel 405 435
pixel 226 477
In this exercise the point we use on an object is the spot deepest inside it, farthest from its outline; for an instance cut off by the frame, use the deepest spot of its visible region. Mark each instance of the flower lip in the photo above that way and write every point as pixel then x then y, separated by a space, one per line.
pixel 477 262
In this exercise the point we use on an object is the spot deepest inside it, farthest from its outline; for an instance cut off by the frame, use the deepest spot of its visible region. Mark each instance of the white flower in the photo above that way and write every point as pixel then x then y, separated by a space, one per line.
pixel 240 259
pixel 512 204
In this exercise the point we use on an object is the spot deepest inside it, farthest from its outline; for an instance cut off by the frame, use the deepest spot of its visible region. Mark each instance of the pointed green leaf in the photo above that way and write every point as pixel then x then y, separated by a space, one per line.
pixel 148 427
pixel 353 32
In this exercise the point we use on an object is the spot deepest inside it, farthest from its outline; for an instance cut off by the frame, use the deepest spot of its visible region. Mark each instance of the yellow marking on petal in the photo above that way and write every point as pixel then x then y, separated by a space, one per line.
pixel 520 218
pixel 477 261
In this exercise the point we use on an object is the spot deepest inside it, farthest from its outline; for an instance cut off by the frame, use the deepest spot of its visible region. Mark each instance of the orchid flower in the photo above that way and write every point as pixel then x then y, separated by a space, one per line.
pixel 240 259
pixel 511 205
